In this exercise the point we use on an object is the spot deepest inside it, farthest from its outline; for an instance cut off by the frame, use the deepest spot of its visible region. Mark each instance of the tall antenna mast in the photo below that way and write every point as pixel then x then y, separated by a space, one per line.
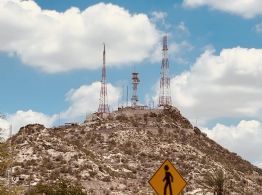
pixel 103 105
pixel 135 82
pixel 165 94
pixel 127 96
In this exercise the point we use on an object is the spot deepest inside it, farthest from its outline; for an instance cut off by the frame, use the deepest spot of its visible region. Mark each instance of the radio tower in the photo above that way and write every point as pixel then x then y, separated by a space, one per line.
pixel 135 82
pixel 103 105
pixel 164 94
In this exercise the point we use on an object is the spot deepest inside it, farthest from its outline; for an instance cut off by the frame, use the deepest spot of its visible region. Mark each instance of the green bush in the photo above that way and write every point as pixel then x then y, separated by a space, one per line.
pixel 60 187
pixel 215 181
pixel 4 157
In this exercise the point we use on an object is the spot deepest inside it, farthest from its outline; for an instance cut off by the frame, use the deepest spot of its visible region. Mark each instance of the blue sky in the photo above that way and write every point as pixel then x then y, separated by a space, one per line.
pixel 51 55
pixel 206 27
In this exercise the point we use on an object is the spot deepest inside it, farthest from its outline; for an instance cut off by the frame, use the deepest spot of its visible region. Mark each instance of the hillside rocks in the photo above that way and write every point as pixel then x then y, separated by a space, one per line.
pixel 119 154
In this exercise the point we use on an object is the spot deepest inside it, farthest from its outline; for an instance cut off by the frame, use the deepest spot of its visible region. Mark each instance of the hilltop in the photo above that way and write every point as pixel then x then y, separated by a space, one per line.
pixel 119 153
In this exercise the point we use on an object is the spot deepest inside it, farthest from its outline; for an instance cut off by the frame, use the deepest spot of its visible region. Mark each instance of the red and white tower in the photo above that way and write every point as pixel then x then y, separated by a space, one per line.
pixel 165 94
pixel 103 104
pixel 135 82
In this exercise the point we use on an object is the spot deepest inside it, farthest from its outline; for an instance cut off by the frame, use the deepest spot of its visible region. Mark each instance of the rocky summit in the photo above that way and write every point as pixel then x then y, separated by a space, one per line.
pixel 120 152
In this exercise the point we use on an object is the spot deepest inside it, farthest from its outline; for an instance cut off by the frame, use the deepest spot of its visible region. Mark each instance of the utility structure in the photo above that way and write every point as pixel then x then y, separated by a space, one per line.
pixel 103 104
pixel 135 82
pixel 165 94
pixel 127 96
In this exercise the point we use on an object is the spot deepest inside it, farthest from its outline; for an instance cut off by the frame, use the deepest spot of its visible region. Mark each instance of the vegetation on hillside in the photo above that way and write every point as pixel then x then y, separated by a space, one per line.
pixel 59 187
pixel 5 159
pixel 215 181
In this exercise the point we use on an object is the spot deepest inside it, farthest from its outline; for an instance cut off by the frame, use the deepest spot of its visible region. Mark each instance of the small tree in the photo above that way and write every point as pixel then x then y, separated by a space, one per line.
pixel 215 181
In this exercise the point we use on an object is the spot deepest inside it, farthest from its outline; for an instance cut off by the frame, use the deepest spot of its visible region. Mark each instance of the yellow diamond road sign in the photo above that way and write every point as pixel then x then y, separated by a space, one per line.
pixel 167 180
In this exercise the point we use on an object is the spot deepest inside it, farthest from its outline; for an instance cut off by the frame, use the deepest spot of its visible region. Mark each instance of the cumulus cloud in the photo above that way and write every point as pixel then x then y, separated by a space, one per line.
pixel 159 17
pixel 243 138
pixel 244 8
pixel 259 165
pixel 82 101
pixel 85 99
pixel 182 28
pixel 4 128
pixel 62 41
pixel 23 118
pixel 225 85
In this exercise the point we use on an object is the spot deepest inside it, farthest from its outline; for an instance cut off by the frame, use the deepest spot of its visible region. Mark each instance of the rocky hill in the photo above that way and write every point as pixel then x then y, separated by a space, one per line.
pixel 119 153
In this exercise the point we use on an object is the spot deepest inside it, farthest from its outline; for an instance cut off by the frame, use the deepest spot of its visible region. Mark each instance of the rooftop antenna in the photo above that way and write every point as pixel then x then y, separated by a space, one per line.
pixel 165 94
pixel 135 82
pixel 127 96
pixel 103 105
pixel 123 100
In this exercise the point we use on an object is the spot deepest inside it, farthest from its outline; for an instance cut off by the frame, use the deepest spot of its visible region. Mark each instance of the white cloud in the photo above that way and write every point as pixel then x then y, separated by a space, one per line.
pixel 244 8
pixel 182 28
pixel 243 138
pixel 258 28
pixel 62 41
pixel 259 165
pixel 85 99
pixel 159 18
pixel 82 101
pixel 4 128
pixel 224 85
pixel 23 118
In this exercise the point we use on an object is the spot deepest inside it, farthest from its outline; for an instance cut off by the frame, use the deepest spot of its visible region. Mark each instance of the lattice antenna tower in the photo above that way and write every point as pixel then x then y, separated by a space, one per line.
pixel 103 104
pixel 135 82
pixel 165 93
